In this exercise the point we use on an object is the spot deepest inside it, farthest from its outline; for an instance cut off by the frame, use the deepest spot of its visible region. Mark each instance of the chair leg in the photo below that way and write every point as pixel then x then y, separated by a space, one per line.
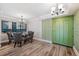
pixel 14 44
pixel 24 41
pixel 31 40
pixel 9 42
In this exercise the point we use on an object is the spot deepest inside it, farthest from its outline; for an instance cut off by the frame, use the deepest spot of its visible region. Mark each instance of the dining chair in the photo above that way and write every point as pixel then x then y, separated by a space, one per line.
pixel 10 37
pixel 30 36
pixel 17 39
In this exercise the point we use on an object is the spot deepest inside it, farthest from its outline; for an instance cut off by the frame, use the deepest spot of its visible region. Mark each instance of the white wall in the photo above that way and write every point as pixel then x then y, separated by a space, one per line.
pixel 76 31
pixel 35 25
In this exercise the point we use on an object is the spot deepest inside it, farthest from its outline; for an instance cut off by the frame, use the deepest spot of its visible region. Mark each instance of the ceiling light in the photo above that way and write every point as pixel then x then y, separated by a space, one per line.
pixel 57 10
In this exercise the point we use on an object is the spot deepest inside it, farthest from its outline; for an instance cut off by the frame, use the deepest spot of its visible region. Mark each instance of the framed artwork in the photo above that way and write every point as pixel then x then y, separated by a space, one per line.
pixel 5 26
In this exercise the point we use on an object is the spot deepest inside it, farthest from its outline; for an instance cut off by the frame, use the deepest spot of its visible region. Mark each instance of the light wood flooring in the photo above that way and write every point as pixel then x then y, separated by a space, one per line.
pixel 37 48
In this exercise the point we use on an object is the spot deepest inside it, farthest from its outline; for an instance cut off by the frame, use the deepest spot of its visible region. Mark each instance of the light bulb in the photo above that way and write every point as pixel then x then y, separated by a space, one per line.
pixel 60 6
pixel 53 8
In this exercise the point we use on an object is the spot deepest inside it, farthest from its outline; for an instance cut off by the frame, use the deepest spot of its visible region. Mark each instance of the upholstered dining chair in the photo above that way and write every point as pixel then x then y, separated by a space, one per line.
pixel 30 36
pixel 24 37
pixel 17 39
pixel 10 37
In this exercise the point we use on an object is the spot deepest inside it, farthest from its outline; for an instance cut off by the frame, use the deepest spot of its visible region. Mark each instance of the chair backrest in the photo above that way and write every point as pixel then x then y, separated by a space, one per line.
pixel 9 35
pixel 30 33
pixel 17 37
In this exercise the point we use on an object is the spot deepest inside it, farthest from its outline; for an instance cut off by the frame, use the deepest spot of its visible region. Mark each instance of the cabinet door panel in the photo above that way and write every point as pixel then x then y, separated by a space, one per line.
pixel 53 31
pixel 65 32
pixel 61 31
pixel 57 33
pixel 70 32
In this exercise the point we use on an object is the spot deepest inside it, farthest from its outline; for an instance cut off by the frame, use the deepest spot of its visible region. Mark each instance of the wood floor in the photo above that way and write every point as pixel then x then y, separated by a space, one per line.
pixel 37 48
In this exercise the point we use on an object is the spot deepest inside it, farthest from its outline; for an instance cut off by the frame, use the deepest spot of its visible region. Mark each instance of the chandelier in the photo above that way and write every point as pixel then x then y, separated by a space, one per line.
pixel 57 10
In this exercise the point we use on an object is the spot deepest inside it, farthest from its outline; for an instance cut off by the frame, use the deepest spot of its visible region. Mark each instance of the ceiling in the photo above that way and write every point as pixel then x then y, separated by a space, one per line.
pixel 30 10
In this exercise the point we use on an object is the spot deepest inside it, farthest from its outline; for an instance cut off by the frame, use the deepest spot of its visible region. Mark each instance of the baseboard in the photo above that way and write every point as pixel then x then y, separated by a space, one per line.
pixel 75 50
pixel 42 40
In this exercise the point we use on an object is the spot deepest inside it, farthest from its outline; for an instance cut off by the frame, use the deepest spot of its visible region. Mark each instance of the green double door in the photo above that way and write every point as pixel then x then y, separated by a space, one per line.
pixel 62 30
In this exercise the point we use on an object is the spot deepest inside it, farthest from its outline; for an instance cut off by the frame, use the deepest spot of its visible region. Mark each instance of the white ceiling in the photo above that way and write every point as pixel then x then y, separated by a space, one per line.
pixel 30 10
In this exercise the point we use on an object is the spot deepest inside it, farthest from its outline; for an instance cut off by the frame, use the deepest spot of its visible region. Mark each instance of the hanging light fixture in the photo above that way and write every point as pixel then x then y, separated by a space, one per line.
pixel 22 20
pixel 57 10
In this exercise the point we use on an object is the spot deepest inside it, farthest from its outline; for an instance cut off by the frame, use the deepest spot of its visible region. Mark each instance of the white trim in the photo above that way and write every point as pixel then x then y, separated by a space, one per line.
pixel 42 40
pixel 75 50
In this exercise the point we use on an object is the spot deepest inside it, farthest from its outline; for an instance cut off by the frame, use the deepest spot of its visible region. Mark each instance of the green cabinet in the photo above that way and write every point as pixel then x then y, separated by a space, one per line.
pixel 62 30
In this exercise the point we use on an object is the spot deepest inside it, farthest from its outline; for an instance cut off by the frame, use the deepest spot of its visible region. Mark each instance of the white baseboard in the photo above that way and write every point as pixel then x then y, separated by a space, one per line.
pixel 42 40
pixel 75 50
